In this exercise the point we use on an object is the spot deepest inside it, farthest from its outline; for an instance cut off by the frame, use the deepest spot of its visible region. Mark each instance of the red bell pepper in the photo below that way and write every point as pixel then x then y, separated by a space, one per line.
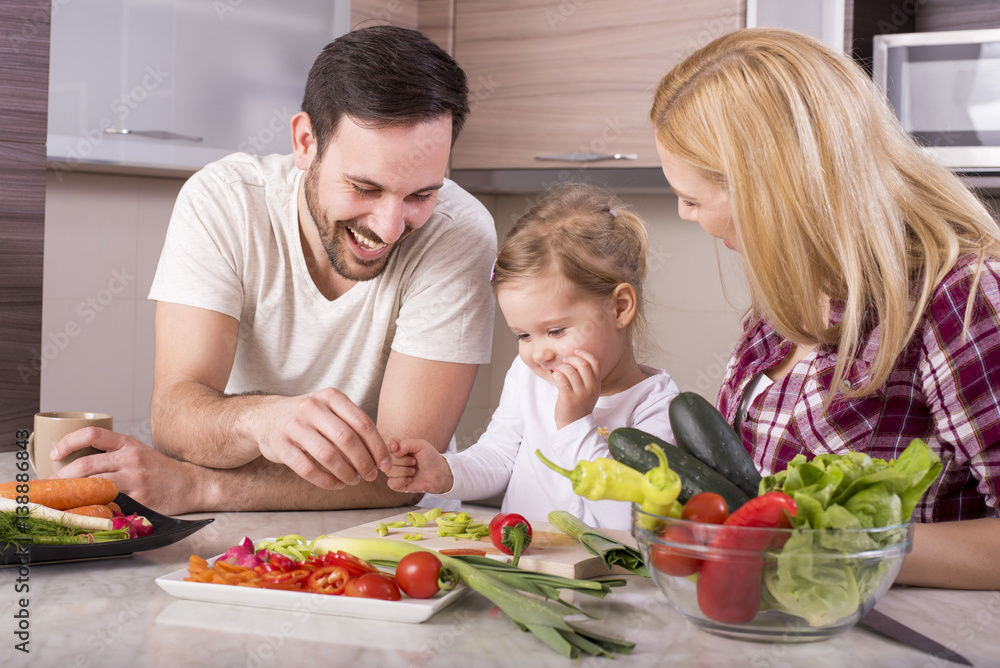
pixel 729 583
pixel 511 534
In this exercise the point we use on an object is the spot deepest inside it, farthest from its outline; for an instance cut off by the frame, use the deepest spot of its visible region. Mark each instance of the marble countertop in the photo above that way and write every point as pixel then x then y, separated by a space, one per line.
pixel 111 613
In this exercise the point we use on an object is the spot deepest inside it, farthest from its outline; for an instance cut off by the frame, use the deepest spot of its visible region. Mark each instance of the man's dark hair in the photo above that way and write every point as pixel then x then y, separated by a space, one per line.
pixel 383 76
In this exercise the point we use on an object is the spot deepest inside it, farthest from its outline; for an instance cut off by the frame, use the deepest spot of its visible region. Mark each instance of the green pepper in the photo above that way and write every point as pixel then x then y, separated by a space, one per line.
pixel 602 479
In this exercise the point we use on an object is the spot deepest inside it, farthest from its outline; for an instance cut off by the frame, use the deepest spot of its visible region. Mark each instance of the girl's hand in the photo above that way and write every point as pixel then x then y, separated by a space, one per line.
pixel 417 466
pixel 578 380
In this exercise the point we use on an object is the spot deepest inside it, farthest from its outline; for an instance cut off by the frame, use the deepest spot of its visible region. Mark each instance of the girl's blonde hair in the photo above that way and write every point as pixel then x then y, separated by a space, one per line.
pixel 587 235
pixel 829 195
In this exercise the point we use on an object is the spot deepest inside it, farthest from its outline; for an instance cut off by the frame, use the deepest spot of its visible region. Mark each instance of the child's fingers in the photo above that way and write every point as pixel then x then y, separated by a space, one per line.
pixel 400 471
pixel 398 484
pixel 561 382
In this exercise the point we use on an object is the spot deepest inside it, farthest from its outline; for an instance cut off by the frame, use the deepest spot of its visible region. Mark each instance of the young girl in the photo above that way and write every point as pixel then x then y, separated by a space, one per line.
pixel 569 282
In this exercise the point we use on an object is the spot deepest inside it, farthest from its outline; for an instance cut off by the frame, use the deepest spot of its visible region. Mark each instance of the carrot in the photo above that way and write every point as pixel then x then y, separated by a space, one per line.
pixel 115 509
pixel 93 510
pixel 64 494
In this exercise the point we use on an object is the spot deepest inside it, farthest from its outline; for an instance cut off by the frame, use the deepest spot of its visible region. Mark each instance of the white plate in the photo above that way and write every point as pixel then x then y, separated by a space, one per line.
pixel 411 610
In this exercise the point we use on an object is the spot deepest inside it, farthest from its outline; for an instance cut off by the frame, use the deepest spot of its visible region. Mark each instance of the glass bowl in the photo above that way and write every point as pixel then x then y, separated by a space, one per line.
pixel 772 585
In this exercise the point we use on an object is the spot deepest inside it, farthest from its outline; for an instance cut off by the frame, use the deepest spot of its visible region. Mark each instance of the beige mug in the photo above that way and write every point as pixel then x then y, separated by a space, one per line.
pixel 49 430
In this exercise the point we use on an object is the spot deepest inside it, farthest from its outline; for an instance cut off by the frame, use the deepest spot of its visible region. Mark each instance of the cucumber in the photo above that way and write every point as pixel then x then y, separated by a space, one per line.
pixel 700 430
pixel 627 445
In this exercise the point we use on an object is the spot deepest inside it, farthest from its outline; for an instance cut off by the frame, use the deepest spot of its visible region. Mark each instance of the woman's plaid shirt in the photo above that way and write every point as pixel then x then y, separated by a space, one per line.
pixel 945 389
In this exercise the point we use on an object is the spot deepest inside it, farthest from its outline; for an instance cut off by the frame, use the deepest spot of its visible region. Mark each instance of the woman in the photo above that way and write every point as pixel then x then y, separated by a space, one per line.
pixel 874 275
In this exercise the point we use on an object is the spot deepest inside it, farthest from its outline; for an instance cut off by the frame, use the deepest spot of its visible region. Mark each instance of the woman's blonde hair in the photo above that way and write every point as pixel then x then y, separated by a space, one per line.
pixel 587 235
pixel 829 195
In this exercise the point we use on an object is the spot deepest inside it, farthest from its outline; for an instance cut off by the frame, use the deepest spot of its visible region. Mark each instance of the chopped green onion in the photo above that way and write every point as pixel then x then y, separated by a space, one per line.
pixel 416 519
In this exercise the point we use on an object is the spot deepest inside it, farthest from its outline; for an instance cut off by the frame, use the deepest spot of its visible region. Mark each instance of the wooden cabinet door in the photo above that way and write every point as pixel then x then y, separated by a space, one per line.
pixel 572 76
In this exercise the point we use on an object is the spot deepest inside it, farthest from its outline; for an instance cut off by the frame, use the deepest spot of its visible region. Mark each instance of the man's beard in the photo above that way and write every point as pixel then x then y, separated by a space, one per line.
pixel 333 232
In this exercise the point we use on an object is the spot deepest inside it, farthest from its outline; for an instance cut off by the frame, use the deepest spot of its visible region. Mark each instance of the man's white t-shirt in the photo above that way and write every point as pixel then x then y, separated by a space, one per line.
pixel 233 246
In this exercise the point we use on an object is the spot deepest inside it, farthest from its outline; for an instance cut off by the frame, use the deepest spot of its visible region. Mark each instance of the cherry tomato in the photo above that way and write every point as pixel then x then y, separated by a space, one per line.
pixel 706 507
pixel 417 574
pixel 671 560
pixel 328 580
pixel 284 579
pixel 373 585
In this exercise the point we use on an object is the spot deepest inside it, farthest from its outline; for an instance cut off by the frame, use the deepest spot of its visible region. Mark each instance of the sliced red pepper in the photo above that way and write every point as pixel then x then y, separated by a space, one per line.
pixel 328 580
pixel 354 566
pixel 729 585
pixel 266 568
pixel 463 551
pixel 282 562
pixel 285 578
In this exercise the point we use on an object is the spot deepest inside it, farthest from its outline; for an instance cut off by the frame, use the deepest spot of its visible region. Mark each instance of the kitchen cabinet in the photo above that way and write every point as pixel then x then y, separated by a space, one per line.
pixel 567 76
pixel 215 77
pixel 24 66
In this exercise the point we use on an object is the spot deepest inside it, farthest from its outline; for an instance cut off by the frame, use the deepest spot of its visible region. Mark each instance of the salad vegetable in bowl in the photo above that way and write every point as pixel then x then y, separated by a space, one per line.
pixel 802 561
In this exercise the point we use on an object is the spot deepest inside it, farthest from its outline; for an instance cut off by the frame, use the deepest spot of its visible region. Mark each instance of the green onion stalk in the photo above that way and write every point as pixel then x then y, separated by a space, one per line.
pixel 611 552
pixel 500 583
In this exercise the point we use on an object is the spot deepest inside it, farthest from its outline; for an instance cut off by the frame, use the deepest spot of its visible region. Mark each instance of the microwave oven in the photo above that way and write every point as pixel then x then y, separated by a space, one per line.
pixel 945 90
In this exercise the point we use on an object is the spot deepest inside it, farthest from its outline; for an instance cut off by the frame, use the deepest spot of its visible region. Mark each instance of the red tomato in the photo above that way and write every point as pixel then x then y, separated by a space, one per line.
pixel 417 574
pixel 373 585
pixel 706 507
pixel 328 580
pixel 671 560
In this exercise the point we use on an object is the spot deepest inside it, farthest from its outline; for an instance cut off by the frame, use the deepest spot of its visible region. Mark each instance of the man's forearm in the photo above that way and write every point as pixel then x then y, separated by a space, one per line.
pixel 195 423
pixel 264 485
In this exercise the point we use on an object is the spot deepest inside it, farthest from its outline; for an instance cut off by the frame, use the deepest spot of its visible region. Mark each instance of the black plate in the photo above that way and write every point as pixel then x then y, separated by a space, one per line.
pixel 166 530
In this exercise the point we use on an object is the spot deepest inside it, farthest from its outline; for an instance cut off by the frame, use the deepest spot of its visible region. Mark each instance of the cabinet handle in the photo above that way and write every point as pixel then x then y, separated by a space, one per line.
pixel 155 134
pixel 588 157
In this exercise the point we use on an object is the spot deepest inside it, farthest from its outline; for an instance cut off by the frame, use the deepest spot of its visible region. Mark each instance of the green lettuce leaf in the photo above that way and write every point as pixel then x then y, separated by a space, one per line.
pixel 836 493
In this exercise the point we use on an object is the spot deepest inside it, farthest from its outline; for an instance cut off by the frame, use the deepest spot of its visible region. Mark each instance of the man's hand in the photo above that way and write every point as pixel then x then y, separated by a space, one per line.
pixel 150 477
pixel 418 467
pixel 324 437
pixel 578 380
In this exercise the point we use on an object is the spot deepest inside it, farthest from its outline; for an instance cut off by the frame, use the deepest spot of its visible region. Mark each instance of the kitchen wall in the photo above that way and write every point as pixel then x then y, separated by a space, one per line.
pixel 103 237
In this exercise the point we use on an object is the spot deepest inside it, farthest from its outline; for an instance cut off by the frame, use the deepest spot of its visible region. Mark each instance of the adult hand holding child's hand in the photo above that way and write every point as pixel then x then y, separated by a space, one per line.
pixel 325 438
pixel 578 380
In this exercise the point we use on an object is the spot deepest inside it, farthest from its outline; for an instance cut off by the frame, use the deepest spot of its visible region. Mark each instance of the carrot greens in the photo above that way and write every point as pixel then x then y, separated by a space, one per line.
pixel 16 529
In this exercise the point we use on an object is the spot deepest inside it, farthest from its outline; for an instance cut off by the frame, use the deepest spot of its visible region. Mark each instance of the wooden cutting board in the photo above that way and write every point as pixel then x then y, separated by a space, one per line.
pixel 551 551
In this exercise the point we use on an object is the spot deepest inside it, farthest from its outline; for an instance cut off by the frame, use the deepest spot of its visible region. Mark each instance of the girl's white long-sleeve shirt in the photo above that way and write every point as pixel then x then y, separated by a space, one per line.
pixel 504 457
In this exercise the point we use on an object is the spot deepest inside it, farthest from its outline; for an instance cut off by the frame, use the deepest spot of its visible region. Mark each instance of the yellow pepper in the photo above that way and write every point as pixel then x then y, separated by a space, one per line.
pixel 660 485
pixel 656 491
pixel 602 479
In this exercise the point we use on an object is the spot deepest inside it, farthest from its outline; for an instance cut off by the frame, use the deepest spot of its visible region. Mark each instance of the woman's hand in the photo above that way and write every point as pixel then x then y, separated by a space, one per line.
pixel 578 380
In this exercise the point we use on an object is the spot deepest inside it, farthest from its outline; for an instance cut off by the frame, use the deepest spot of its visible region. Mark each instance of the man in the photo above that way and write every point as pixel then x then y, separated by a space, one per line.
pixel 312 306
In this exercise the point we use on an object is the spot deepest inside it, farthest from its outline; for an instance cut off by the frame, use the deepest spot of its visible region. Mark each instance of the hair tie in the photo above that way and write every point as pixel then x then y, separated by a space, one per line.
pixel 493 271
pixel 612 212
